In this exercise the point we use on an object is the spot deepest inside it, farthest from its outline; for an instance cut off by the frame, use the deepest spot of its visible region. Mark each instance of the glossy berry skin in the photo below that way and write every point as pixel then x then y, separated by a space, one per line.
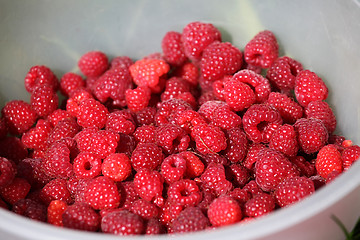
pixel 56 189
pixel 54 212
pixel 173 168
pixel 214 179
pixel 87 165
pixel 122 222
pixel 137 99
pixel 173 49
pixel 147 72
pixel 284 140
pixel 40 75
pixel 260 205
pixel 69 82
pixel 148 184
pixel 237 144
pixel 224 210
pixel 44 100
pixel 208 138
pixel 93 63
pixel 81 216
pixel 289 110
pixel 116 166
pixel 184 192
pixel 238 95
pixel 16 190
pixel 191 219
pixel 146 156
pixel 321 110
pixel 350 155
pixel 171 138
pixel 328 160
pixel 144 209
pixel 92 114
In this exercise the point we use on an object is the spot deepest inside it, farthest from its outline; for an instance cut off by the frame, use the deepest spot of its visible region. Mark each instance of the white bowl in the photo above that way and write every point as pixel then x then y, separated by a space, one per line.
pixel 323 35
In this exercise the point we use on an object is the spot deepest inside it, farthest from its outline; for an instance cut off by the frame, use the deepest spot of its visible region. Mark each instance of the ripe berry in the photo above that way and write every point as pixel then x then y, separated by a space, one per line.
pixel 214 179
pixel 148 184
pixel 284 140
pixel 93 64
pixel 184 192
pixel 194 166
pixel 191 219
pixel 44 100
pixel 171 138
pixel 55 211
pixel 120 121
pixel 259 205
pixel 289 110
pixel 321 110
pixel 66 128
pixel 103 143
pixel 144 209
pixel 16 190
pixel 208 138
pixel 328 160
pixel 137 99
pixel 146 156
pixel 7 172
pixel 122 222
pixel 39 76
pixel 92 114
pixel 116 166
pixel 87 165
pixel 170 110
pixel 69 82
pixel 31 209
pixel 173 168
pixel 350 155
pixel 81 216
pixel 56 189
pixel 173 49
pixel 237 145
pixel 238 95
pixel 224 210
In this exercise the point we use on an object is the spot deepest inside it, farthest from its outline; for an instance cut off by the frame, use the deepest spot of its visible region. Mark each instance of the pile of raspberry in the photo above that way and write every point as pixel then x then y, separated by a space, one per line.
pixel 197 136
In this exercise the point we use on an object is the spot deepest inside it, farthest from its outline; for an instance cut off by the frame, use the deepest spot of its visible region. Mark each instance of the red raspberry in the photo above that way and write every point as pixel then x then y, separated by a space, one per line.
pixel 93 63
pixel 309 87
pixel 213 158
pixel 189 72
pixel 312 134
pixel 214 179
pixel 170 110
pixel 224 117
pixel 112 85
pixel 194 166
pixel 231 60
pixel 184 192
pixel 77 188
pixel 16 190
pixel 69 82
pixel 237 145
pixel 154 227
pixel 207 96
pixel 55 211
pixel 30 209
pixel 84 137
pixel 262 50
pixel 128 194
pixel 116 166
pixel 350 155
pixel 169 212
pixel 40 76
pixel 36 137
pixel 102 193
pixel 260 84
pixel 305 167
pixel 73 103
pixel 239 174
pixel 171 138
pixel 196 36
pixel 240 195
pixel 120 121
pixel 57 115
pixel 191 219
pixel 224 210
pixel 284 140
pixel 173 49
pixel 208 138
pixel 237 95
pixel 122 222
pixel 146 72
pixel 174 88
pixel 289 110
pixel 145 134
pixel 146 156
pixel 252 188
pixel 188 119
pixel 283 71
pixel 44 100
pixel 81 216
pixel 148 184
pixel 7 172
pixel 13 149
pixel 56 189
pixel 19 116
pixel 104 142
pixel 271 168
pixel 207 110
pixel 87 165
pixel 173 168
pixel 328 160
pixel 258 121
pixel 31 170
pixel 121 62
pixel 92 114
pixel 3 128
pixel 293 189
pixel 144 209
pixel 260 205
pixel 137 99
pixel 66 128
pixel 321 110
pixel 128 144
pixel 145 116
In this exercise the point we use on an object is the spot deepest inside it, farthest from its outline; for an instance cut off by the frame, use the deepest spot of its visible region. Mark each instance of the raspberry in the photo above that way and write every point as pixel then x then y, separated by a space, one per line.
pixel 257 121
pixel 30 209
pixel 19 116
pixel 145 116
pixel 93 63
pixel 312 134
pixel 170 110
pixel 116 166
pixel 103 143
pixel 293 189
pixel 262 50
pixel 56 189
pixel 321 110
pixel 175 87
pixel 122 222
pixel 289 110
pixel 144 209
pixel 328 160
pixel 260 205
pixel 121 62
pixel 77 188
pixel 73 103
pixel 54 212
pixel 260 84
pixel 271 168
pixel 44 100
pixel 13 149
pixel 284 140
pixel 84 137
pixel 36 137
pixel 57 116
pixel 120 121
pixel 146 72
pixel 238 95
pixel 225 118
pixel 184 192
pixel 213 158
pixel 189 72
pixel 240 195
pixel 137 99
pixel 87 165
pixel 196 36
pixel 306 168
pixel 145 134
pixel 350 155
pixel 231 60
pixel 173 49
pixel 154 226
pixel 3 128
pixel 102 193
pixel 224 210
pixel 31 170
pixel 39 76
pixel 128 144
pixel 128 194
pixel 194 166
pixel 16 190
pixel 239 174
pixel 309 87
pixel 191 219
pixel 188 119
pixel 283 71
pixel 207 110
pixel 214 179
pixel 92 114
pixel 173 168
pixel 237 144
pixel 69 82
pixel 66 128
pixel 208 138
pixel 207 96
pixel 148 184
pixel 112 85
pixel 171 138
pixel 81 216
pixel 7 172
pixel 146 156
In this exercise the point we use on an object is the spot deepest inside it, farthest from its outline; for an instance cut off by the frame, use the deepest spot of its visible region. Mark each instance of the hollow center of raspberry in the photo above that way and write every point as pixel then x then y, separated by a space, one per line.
pixel 262 125
pixel 87 166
